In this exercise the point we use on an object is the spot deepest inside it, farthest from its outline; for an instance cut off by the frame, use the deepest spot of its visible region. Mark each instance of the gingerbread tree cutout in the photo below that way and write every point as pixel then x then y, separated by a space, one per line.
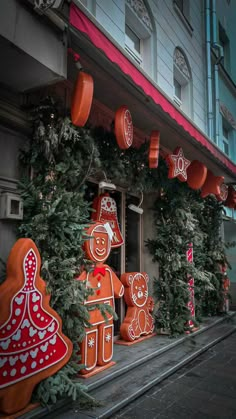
pixel 138 320
pixel 32 345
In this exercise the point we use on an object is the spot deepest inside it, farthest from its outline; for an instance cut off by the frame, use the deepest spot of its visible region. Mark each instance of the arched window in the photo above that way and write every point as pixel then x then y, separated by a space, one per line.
pixel 182 82
pixel 139 39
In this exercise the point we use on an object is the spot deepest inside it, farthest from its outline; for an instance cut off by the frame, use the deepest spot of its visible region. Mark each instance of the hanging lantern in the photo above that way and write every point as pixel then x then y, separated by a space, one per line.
pixel 123 128
pixel 178 165
pixel 82 99
pixel 197 173
pixel 154 149
pixel 212 185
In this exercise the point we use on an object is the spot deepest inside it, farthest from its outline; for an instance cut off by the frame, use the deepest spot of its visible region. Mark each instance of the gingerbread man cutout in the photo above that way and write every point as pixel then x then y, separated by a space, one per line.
pixel 138 320
pixel 32 345
pixel 97 347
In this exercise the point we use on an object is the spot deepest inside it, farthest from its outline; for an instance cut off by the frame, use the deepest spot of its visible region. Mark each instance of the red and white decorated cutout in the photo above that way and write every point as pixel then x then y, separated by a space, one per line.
pixel 32 346
pixel 106 211
pixel 97 347
pixel 231 198
pixel 123 127
pixel 191 302
pixel 178 165
pixel 138 320
pixel 154 149
pixel 224 190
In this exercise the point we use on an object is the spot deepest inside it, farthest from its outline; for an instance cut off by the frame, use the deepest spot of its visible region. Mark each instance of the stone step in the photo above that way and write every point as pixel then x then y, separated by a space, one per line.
pixel 138 368
pixel 119 387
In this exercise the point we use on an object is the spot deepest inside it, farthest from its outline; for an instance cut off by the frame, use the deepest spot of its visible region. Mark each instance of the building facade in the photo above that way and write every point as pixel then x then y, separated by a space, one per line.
pixel 171 62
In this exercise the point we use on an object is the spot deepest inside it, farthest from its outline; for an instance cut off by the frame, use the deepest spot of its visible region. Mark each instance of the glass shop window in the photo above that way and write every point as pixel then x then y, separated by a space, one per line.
pixel 132 236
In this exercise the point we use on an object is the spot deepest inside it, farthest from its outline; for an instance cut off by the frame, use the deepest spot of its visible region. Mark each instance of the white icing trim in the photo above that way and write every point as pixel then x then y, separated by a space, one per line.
pixel 104 341
pixel 96 348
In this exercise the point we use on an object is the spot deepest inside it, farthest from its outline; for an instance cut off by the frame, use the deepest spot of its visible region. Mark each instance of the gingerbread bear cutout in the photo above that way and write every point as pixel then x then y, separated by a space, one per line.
pixel 97 347
pixel 138 320
pixel 32 345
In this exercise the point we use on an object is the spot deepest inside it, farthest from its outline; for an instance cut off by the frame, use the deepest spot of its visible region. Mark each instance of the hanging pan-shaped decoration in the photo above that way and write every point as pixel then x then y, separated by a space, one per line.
pixel 82 99
pixel 154 149
pixel 123 127
pixel 197 173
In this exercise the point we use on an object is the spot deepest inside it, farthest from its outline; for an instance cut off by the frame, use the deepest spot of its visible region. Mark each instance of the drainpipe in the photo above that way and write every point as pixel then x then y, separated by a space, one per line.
pixel 208 65
pixel 220 52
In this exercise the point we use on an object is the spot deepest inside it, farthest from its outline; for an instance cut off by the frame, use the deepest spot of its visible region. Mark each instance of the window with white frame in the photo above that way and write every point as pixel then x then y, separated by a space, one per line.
pixel 182 82
pixel 224 42
pixel 89 4
pixel 139 34
pixel 182 8
pixel 225 140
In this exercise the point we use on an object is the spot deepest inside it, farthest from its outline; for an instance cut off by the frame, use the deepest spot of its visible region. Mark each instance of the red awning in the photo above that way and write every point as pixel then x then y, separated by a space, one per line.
pixel 81 22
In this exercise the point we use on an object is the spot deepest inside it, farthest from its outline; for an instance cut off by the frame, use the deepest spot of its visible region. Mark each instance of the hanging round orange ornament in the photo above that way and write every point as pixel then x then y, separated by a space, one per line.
pixel 196 174
pixel 82 99
pixel 154 149
pixel 123 127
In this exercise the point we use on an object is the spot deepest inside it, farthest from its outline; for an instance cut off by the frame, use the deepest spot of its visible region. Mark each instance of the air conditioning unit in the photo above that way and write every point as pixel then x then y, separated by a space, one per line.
pixel 11 206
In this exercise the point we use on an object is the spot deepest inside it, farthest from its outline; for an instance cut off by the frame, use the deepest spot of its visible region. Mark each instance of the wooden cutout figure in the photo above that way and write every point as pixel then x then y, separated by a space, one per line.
pixel 154 149
pixel 32 345
pixel 138 320
pixel 178 165
pixel 106 211
pixel 196 175
pixel 191 301
pixel 82 99
pixel 97 347
pixel 223 193
pixel 123 128
pixel 212 185
pixel 231 198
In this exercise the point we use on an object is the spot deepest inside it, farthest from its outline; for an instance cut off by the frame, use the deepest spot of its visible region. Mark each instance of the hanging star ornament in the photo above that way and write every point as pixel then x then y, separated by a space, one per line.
pixel 178 165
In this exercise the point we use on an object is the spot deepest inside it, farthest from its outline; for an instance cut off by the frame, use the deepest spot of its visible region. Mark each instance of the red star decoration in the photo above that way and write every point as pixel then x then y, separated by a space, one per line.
pixel 212 185
pixel 178 165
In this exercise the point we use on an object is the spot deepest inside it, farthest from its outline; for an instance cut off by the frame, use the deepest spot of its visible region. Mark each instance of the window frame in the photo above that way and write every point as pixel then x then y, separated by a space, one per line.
pixel 145 59
pixel 122 223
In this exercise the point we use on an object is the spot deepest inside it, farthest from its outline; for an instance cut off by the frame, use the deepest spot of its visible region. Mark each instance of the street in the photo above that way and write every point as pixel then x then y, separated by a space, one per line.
pixel 205 388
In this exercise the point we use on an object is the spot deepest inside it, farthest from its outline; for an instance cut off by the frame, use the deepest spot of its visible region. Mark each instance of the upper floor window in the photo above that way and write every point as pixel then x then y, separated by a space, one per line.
pixel 133 44
pixel 224 42
pixel 182 86
pixel 225 139
pixel 139 34
pixel 182 8
pixel 228 132
pixel 89 4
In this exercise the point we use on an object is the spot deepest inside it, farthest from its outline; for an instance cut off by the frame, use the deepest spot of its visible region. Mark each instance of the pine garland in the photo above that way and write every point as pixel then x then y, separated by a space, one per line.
pixel 60 159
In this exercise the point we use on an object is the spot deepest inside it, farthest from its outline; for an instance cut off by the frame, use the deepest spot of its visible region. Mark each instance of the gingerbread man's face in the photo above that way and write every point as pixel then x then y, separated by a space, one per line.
pixel 99 246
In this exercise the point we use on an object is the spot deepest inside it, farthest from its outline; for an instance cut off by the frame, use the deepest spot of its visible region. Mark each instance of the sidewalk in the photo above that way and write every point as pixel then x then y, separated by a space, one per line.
pixel 205 388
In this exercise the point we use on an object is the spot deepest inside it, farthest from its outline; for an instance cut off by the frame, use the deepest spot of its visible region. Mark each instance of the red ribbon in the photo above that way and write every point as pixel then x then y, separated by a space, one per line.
pixel 98 270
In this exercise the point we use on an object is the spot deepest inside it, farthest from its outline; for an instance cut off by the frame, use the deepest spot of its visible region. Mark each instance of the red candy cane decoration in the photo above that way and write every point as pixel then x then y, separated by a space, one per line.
pixel 191 302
